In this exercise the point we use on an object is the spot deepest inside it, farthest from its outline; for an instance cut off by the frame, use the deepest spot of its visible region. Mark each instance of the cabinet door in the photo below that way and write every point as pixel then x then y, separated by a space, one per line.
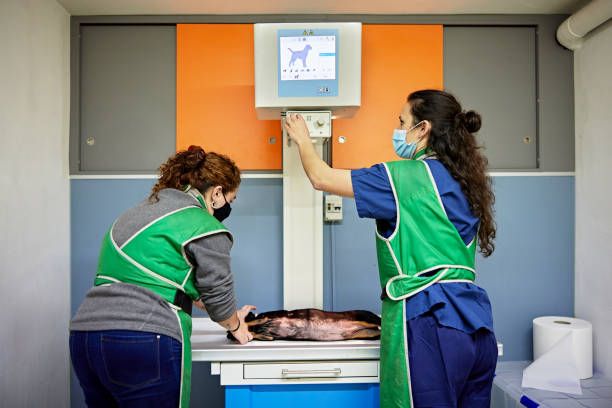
pixel 493 71
pixel 216 96
pixel 396 60
pixel 127 97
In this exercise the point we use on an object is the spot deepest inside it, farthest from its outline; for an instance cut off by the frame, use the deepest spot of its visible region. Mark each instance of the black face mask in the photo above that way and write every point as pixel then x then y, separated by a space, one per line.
pixel 222 212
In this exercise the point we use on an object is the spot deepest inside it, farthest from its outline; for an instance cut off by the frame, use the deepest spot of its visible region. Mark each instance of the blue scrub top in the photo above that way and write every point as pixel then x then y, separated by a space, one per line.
pixel 462 306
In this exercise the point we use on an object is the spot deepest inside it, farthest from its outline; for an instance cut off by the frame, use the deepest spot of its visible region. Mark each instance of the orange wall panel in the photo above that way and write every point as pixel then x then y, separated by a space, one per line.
pixel 215 96
pixel 396 60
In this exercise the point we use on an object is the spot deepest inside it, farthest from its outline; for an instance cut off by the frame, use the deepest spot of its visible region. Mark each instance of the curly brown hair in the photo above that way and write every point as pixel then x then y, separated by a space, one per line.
pixel 198 169
pixel 452 139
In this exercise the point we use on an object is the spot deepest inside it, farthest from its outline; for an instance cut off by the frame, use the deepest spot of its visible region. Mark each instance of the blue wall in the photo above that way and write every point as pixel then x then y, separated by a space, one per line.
pixel 256 223
pixel 530 274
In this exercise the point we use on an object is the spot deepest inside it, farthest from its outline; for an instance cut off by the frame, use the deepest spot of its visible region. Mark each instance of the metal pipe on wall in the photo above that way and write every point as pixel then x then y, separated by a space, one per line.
pixel 572 31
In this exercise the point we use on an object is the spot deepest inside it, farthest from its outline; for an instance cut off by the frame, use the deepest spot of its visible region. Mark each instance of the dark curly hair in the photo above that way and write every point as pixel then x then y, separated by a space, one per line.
pixel 198 169
pixel 452 139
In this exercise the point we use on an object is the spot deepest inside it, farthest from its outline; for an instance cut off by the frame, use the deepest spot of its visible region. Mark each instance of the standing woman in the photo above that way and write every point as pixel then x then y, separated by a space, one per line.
pixel 130 339
pixel 432 211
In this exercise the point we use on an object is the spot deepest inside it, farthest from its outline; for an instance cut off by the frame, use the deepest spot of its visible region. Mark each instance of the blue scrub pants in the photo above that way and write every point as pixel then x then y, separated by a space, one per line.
pixel 123 368
pixel 450 368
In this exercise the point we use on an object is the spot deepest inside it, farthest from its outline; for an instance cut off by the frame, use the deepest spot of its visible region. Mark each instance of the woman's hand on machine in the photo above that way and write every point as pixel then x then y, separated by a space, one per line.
pixel 296 128
pixel 242 334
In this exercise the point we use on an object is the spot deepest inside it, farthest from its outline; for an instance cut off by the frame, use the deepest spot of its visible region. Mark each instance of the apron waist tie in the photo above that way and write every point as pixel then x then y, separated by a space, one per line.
pixel 183 301
pixel 404 286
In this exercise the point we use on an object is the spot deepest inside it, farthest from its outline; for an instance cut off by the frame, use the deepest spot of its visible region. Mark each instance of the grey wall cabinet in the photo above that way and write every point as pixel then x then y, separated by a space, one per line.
pixel 127 108
pixel 493 71
pixel 508 68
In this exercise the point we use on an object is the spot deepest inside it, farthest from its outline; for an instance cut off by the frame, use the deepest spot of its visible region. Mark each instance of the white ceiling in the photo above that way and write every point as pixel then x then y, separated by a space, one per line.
pixel 144 7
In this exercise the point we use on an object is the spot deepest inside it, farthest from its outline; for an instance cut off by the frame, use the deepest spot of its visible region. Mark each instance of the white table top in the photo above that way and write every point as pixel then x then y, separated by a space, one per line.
pixel 209 343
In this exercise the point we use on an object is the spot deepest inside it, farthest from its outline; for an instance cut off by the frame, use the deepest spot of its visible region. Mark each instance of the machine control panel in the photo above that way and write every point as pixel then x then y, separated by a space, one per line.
pixel 318 122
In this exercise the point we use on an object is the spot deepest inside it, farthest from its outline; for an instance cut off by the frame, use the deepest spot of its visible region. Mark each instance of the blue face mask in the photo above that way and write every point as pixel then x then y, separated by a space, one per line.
pixel 403 149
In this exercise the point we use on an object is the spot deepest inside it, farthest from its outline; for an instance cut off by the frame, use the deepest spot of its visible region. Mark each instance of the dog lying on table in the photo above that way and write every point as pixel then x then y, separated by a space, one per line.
pixel 313 324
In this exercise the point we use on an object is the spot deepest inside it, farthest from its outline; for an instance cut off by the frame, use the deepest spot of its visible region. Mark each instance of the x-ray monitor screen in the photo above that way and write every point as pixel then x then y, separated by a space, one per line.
pixel 304 58
pixel 307 63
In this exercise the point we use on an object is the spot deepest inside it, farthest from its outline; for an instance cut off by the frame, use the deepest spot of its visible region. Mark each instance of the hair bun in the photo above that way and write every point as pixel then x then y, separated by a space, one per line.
pixel 471 120
pixel 200 154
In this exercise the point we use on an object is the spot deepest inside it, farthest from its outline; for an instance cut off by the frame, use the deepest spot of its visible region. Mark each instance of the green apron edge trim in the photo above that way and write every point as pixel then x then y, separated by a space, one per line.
pixel 155 221
pixel 185 323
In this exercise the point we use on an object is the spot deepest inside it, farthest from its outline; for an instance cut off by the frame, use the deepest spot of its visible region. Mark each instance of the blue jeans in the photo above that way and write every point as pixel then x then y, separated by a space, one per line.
pixel 123 368
pixel 448 367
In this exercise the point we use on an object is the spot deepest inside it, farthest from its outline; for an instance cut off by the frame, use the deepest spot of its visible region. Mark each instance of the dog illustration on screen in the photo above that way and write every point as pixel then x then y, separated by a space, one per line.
pixel 301 55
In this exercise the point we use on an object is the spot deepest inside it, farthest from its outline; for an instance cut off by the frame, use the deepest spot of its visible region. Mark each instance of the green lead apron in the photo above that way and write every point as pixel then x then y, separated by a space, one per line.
pixel 154 258
pixel 425 248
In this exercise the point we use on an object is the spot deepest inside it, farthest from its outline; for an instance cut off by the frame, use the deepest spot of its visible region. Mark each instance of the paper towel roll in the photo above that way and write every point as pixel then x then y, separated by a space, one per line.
pixel 548 331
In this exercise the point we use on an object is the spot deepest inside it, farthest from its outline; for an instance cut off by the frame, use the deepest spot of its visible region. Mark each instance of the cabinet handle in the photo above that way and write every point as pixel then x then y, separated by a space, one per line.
pixel 311 373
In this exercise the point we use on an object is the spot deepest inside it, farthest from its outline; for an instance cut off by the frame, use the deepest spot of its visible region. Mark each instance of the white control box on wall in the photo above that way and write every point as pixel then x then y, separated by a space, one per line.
pixel 332 208
pixel 307 66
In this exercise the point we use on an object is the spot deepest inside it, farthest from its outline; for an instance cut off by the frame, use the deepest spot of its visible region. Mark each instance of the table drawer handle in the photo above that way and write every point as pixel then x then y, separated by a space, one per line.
pixel 312 373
